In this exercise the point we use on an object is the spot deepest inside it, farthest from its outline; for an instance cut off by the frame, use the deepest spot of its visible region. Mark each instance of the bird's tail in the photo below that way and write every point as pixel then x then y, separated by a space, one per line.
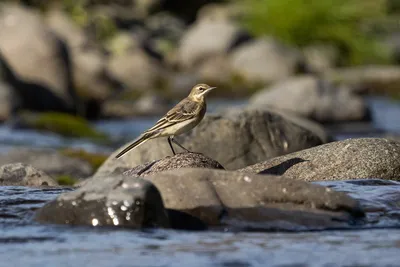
pixel 140 140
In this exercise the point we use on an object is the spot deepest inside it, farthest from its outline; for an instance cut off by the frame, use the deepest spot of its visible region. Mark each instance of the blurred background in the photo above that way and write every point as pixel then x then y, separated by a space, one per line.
pixel 92 74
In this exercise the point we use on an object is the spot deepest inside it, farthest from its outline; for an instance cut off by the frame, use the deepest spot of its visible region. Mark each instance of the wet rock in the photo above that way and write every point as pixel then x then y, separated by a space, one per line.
pixel 48 160
pixel 233 199
pixel 314 98
pixel 113 201
pixel 236 138
pixel 368 79
pixel 206 39
pixel 264 61
pixel 178 161
pixel 26 43
pixel 362 158
pixel 18 174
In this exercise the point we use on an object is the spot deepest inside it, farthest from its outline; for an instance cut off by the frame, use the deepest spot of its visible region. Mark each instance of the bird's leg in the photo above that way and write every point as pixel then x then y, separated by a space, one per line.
pixel 173 140
pixel 170 144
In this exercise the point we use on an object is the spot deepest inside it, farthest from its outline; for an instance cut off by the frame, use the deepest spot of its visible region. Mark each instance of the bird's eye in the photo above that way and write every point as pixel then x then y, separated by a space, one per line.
pixel 202 88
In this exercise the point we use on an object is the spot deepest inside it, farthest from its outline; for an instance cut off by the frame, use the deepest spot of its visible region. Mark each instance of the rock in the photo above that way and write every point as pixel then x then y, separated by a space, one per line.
pixel 6 99
pixel 26 43
pixel 18 174
pixel 220 12
pixel 264 61
pixel 147 105
pixel 313 98
pixel 48 160
pixel 60 23
pixel 368 79
pixel 235 138
pixel 206 39
pixel 320 58
pixel 89 65
pixel 215 70
pixel 178 161
pixel 114 201
pixel 363 158
pixel 233 199
pixel 147 73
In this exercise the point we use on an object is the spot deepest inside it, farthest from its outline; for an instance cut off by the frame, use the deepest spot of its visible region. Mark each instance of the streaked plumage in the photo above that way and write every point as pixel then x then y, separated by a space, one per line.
pixel 180 119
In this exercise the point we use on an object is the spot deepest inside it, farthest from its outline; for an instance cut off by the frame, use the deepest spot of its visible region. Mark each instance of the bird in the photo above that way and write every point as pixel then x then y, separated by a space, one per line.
pixel 182 118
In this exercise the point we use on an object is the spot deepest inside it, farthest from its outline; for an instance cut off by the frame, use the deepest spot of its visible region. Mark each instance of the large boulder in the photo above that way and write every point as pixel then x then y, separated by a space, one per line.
pixel 93 81
pixel 222 198
pixel 18 174
pixel 206 39
pixel 314 98
pixel 35 61
pixel 113 201
pixel 363 158
pixel 197 198
pixel 236 138
pixel 48 160
pixel 264 61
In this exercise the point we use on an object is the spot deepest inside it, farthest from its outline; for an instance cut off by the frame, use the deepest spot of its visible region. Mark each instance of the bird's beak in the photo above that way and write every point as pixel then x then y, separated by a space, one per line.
pixel 211 88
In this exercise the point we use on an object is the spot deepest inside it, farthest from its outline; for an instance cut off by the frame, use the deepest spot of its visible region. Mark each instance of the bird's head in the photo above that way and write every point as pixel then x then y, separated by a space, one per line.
pixel 199 91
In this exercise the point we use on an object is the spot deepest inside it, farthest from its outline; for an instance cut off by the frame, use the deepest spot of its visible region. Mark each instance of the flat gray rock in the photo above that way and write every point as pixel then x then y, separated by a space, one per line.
pixel 362 158
pixel 112 201
pixel 235 138
pixel 50 161
pixel 248 201
pixel 19 174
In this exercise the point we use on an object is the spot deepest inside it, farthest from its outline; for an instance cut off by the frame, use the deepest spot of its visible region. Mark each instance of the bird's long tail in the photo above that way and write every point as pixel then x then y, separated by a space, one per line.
pixel 140 140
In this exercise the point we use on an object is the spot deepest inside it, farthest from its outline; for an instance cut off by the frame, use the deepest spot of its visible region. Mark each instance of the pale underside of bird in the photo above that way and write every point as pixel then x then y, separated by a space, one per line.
pixel 180 119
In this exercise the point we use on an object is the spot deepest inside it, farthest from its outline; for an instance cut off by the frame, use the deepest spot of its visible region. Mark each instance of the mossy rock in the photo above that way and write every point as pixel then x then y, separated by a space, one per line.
pixel 66 180
pixel 61 123
pixel 95 160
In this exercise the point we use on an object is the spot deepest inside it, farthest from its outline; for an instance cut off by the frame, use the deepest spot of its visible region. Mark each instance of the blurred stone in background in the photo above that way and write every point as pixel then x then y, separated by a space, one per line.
pixel 103 59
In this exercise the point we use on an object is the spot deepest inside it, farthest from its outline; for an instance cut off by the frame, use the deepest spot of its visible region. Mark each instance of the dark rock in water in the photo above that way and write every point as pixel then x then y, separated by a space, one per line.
pixel 362 158
pixel 112 201
pixel 178 161
pixel 198 198
pixel 19 174
pixel 233 199
pixel 236 138
pixel 50 161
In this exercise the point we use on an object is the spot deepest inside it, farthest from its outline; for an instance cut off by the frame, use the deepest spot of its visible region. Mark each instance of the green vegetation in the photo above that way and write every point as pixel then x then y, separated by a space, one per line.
pixel 96 160
pixel 66 180
pixel 343 23
pixel 83 14
pixel 63 124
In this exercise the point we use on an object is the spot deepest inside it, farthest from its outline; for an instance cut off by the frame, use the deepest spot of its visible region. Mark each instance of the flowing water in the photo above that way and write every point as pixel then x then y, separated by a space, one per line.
pixel 25 243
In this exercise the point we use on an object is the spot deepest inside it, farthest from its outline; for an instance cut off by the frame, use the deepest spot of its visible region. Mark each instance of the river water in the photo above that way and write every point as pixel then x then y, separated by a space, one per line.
pixel 25 243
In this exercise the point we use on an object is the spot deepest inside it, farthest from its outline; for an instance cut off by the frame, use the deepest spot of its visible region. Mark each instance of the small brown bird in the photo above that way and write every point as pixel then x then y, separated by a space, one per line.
pixel 180 119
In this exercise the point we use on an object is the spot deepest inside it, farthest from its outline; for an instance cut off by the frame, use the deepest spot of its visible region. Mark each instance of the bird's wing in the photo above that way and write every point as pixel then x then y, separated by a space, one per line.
pixel 183 111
